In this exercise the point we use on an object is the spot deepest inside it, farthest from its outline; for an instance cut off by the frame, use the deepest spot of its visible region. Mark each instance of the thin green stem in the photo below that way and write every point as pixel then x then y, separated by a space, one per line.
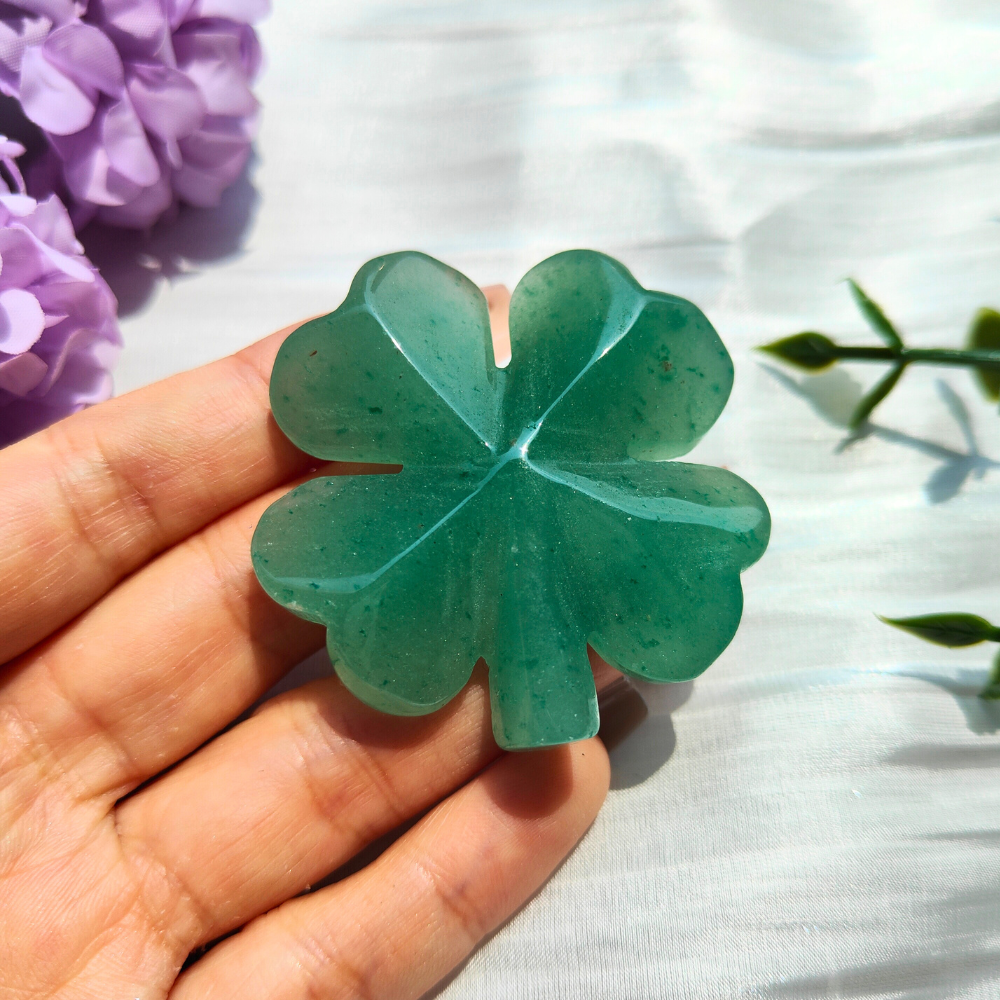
pixel 944 356
pixel 918 355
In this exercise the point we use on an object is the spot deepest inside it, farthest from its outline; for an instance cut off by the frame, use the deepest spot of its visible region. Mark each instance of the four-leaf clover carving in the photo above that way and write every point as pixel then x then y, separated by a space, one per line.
pixel 535 511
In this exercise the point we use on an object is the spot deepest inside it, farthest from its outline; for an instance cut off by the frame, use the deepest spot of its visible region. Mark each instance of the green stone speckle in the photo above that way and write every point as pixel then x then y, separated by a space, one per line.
pixel 535 511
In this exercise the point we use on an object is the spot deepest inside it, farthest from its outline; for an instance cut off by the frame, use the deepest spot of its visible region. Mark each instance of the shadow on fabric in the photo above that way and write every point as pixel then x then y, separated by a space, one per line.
pixel 982 717
pixel 833 395
pixel 134 263
pixel 651 745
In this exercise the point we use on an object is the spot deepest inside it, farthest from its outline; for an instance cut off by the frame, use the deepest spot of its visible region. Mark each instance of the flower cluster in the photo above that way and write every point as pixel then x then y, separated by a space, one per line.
pixel 58 331
pixel 144 103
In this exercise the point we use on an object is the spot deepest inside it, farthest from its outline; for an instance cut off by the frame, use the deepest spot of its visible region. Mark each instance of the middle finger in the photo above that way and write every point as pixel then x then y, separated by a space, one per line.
pixel 163 663
pixel 291 794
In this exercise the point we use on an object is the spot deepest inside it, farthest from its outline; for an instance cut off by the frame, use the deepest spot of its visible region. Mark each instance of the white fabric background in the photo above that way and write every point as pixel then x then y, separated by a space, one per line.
pixel 818 816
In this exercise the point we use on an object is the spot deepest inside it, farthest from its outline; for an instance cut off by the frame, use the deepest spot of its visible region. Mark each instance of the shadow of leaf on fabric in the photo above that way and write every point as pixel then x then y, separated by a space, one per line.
pixel 982 717
pixel 834 394
pixel 927 756
pixel 957 955
pixel 923 977
pixel 953 959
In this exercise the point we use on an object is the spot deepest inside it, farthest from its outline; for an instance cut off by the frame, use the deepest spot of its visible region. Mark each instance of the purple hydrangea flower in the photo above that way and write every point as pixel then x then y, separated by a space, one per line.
pixel 144 102
pixel 59 334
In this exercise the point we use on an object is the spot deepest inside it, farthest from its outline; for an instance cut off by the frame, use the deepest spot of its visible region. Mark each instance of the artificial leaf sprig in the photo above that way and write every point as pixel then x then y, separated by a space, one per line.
pixel 955 630
pixel 814 352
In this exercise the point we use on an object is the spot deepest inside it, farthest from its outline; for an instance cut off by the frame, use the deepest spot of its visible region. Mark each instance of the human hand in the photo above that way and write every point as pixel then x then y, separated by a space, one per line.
pixel 133 631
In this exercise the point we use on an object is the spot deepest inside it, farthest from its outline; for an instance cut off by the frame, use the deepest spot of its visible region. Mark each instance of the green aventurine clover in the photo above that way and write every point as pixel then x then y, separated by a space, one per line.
pixel 534 512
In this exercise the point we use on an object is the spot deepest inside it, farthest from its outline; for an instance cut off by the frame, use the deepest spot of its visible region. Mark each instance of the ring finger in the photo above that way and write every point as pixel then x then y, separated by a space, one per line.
pixel 399 925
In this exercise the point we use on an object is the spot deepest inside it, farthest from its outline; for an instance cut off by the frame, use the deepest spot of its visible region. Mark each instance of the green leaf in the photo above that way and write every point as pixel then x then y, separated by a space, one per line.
pixel 532 514
pixel 868 403
pixel 952 630
pixel 877 319
pixel 808 350
pixel 984 335
pixel 992 690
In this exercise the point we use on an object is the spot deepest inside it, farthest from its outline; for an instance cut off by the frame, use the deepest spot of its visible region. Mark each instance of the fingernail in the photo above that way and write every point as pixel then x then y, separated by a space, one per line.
pixel 498 303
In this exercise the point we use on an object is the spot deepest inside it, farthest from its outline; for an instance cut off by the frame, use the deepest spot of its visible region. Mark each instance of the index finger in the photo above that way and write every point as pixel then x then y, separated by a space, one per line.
pixel 93 497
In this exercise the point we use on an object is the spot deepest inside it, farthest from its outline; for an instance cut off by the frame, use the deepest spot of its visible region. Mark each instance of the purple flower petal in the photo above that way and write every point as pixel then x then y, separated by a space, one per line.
pixel 171 152
pixel 50 98
pixel 83 382
pixel 168 102
pixel 19 375
pixel 78 365
pixel 220 142
pixel 58 11
pixel 85 54
pixel 87 168
pixel 91 306
pixel 56 350
pixel 21 320
pixel 10 148
pixel 251 53
pixel 22 263
pixel 128 148
pixel 9 151
pixel 17 205
pixel 18 31
pixel 143 209
pixel 26 260
pixel 88 172
pixel 246 11
pixel 213 158
pixel 59 334
pixel 213 60
pixel 145 102
pixel 176 11
pixel 50 222
pixel 137 27
pixel 54 261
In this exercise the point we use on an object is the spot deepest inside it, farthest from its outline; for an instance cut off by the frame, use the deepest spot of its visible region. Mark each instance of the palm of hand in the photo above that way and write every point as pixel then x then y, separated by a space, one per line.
pixel 133 631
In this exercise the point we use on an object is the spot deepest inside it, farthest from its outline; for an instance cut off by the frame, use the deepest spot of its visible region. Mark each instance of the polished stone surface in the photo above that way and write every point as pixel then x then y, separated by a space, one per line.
pixel 534 512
